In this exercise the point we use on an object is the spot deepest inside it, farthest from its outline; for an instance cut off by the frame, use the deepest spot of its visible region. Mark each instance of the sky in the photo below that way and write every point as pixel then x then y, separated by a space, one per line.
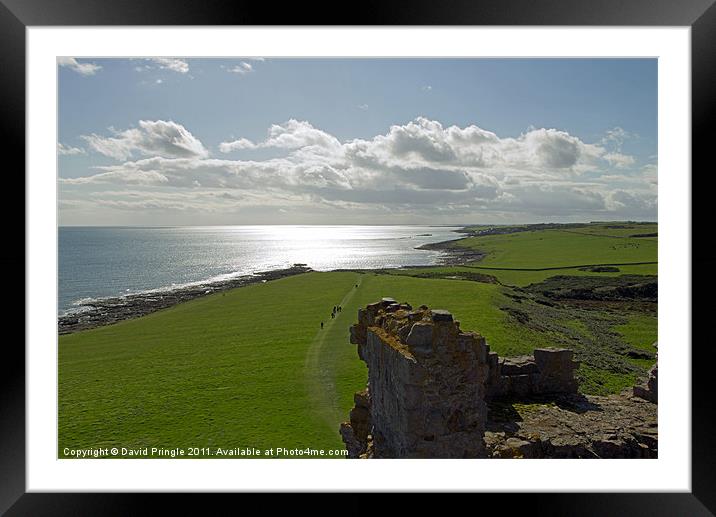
pixel 176 141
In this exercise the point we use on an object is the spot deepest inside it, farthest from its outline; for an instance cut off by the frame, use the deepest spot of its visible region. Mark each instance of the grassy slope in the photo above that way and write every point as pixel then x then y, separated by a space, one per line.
pixel 225 370
pixel 231 370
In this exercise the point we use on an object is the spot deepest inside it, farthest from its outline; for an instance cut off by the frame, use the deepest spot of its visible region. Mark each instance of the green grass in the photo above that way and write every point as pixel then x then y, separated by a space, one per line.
pixel 596 381
pixel 629 230
pixel 559 248
pixel 225 370
pixel 566 250
pixel 640 331
pixel 245 368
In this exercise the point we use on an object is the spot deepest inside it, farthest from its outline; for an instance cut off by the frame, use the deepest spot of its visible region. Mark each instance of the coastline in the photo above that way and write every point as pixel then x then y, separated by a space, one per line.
pixel 453 255
pixel 114 309
pixel 107 311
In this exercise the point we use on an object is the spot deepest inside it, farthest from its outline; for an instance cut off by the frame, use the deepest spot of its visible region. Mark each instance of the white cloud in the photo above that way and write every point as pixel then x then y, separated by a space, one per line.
pixel 619 160
pixel 418 166
pixel 126 175
pixel 289 135
pixel 639 202
pixel 616 137
pixel 423 142
pixel 80 68
pixel 151 138
pixel 242 68
pixel 650 172
pixel 180 66
pixel 236 145
pixel 66 150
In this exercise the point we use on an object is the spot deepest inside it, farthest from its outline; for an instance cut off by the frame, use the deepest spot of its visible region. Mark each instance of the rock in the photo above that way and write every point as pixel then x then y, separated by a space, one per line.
pixel 362 399
pixel 521 447
pixel 441 315
pixel 519 366
pixel 360 420
pixel 547 357
pixel 420 338
pixel 650 389
pixel 576 426
pixel 354 447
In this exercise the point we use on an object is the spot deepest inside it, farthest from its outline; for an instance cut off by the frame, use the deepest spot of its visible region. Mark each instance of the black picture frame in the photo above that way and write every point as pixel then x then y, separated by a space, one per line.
pixel 700 15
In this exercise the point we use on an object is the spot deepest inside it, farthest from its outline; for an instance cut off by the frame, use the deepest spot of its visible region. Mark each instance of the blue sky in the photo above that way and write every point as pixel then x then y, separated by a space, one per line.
pixel 356 140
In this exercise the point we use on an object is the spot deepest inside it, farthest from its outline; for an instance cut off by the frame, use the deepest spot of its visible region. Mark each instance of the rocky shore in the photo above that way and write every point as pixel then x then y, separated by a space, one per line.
pixel 453 255
pixel 106 311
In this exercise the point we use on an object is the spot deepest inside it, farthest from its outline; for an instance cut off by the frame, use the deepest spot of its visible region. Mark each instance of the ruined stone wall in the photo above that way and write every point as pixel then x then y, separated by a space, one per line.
pixel 429 384
pixel 426 385
pixel 547 371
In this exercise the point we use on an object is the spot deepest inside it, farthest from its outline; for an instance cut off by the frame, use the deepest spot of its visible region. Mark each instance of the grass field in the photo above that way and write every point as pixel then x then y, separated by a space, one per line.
pixel 251 367
pixel 532 256
pixel 559 248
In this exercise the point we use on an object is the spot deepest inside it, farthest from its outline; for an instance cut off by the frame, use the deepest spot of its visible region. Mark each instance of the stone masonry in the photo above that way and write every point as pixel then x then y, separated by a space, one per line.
pixel 547 371
pixel 426 385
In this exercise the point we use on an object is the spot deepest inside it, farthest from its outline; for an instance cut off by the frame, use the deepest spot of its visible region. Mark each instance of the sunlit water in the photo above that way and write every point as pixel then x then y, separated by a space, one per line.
pixel 101 262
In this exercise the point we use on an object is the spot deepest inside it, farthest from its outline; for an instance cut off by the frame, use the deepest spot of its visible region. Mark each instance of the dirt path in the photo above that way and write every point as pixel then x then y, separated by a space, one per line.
pixel 320 366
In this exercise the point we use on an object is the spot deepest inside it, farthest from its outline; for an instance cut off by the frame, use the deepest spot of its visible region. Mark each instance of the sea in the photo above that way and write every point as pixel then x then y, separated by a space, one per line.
pixel 102 262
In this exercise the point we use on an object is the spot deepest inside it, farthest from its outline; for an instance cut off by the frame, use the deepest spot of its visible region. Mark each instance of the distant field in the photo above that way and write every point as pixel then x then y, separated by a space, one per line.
pixel 566 249
pixel 559 248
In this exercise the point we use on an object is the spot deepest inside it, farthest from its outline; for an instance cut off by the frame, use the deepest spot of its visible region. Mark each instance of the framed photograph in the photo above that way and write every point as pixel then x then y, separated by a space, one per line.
pixel 441 250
